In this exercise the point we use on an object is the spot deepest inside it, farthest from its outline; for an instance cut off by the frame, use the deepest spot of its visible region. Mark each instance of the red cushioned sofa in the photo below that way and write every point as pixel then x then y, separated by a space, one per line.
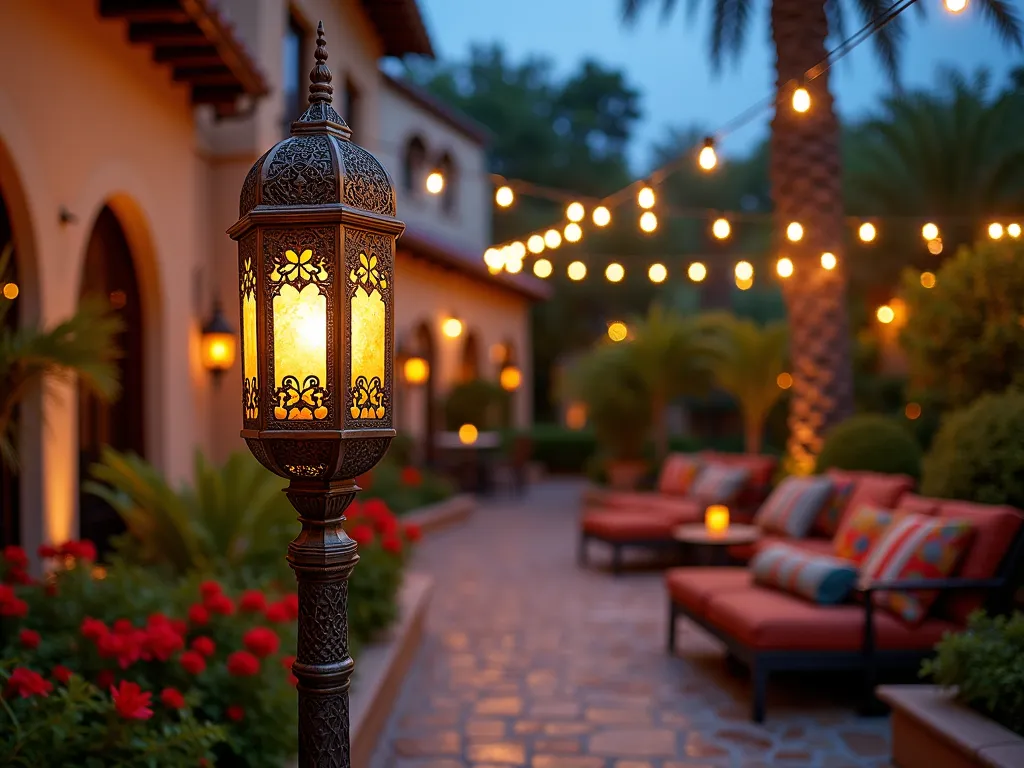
pixel 772 631
pixel 646 520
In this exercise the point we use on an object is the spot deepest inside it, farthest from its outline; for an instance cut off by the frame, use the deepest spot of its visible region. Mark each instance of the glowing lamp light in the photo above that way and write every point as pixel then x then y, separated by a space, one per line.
pixel 697 272
pixel 552 238
pixel 601 216
pixel 517 250
pixel 504 196
pixel 468 434
pixel 935 246
pixel 615 272
pixel 744 284
pixel 576 416
pixel 784 267
pixel 494 259
pixel 645 198
pixel 416 370
pixel 510 378
pixel 721 228
pixel 573 232
pixel 912 411
pixel 928 279
pixel 435 183
pixel 929 231
pixel 452 327
pixel 514 266
pixel 716 519
pixel 801 100
pixel 885 314
pixel 657 273
pixel 707 159
pixel 829 261
pixel 795 231
pixel 11 291
pixel 576 270
pixel 218 344
pixel 995 230
pixel 542 268
pixel 867 232
pixel 617 331
pixel 648 221
pixel 784 380
pixel 744 270
pixel 535 244
pixel 575 212
pixel 956 6
pixel 1013 230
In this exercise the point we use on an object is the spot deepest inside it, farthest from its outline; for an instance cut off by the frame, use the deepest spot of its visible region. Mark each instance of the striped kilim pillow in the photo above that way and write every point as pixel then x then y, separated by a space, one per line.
pixel 915 547
pixel 819 578
pixel 718 483
pixel 677 474
pixel 793 506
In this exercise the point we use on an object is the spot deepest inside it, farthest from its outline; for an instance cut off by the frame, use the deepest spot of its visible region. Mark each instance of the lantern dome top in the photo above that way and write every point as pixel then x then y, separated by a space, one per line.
pixel 319 164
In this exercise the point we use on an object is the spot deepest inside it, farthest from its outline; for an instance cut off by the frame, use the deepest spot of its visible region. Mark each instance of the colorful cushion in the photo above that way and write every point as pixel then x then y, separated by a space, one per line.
pixel 718 483
pixel 915 547
pixel 677 474
pixel 826 524
pixel 793 505
pixel 859 532
pixel 819 578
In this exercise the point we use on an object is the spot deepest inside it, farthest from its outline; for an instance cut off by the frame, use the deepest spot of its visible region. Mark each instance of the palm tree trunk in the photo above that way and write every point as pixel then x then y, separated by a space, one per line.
pixel 806 178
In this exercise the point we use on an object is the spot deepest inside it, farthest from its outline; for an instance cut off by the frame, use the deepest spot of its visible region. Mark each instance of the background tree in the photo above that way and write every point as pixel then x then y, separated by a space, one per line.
pixel 806 187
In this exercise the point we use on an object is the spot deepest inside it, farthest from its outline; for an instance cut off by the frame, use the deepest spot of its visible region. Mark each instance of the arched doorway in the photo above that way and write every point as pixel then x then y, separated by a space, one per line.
pixel 469 366
pixel 424 346
pixel 10 486
pixel 109 275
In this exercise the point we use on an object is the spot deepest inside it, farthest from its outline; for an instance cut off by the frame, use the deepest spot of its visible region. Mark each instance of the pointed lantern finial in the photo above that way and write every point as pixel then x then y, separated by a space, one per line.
pixel 320 88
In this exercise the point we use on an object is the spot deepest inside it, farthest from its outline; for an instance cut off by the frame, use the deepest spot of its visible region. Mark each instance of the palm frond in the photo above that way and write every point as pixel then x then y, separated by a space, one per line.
pixel 888 39
pixel 1006 19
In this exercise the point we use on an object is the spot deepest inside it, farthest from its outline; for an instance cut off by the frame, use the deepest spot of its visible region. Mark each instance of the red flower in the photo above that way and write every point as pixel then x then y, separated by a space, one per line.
pixel 210 589
pixel 204 646
pixel 80 550
pixel 354 510
pixel 155 619
pixel 26 683
pixel 131 702
pixel 362 535
pixel 220 604
pixel 61 674
pixel 161 641
pixel 392 544
pixel 17 575
pixel 278 613
pixel 287 661
pixel 29 639
pixel 198 615
pixel 261 641
pixel 16 557
pixel 172 698
pixel 235 713
pixel 192 662
pixel 46 551
pixel 105 678
pixel 15 609
pixel 411 476
pixel 243 664
pixel 180 626
pixel 252 601
pixel 93 629
pixel 412 531
pixel 291 604
pixel 376 509
pixel 123 627
pixel 124 647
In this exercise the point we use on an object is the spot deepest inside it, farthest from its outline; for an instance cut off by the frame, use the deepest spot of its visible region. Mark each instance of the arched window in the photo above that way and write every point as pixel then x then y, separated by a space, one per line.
pixel 414 165
pixel 449 197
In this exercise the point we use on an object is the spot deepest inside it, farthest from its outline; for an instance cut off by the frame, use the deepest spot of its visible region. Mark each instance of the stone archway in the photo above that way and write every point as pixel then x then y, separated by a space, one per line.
pixel 10 485
pixel 109 275
pixel 469 364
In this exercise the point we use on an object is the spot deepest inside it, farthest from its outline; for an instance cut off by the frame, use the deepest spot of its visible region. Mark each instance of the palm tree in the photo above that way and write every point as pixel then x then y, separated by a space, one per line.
pixel 747 360
pixel 806 185
pixel 81 346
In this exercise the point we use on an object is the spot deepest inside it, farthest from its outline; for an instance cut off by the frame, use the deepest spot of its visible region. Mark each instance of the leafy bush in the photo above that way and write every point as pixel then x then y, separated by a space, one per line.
pixel 404 487
pixel 963 338
pixel 985 665
pixel 872 443
pixel 561 449
pixel 479 402
pixel 978 453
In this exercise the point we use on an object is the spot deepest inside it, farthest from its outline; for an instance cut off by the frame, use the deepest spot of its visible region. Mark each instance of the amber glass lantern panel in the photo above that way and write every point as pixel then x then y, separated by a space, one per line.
pixel 368 281
pixel 250 338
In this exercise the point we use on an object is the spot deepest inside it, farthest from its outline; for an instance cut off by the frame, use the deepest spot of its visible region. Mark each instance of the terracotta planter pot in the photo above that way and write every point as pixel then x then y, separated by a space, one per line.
pixel 931 730
pixel 625 475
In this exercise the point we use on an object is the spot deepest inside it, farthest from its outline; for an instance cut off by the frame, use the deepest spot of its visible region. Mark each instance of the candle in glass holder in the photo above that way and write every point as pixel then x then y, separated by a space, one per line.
pixel 716 519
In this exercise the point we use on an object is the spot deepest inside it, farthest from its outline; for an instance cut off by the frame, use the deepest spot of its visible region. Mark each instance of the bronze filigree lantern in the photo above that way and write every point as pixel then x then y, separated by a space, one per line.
pixel 316 248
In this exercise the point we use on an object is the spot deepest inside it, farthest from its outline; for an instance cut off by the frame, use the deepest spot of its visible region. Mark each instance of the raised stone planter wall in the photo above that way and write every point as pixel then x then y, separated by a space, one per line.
pixel 442 514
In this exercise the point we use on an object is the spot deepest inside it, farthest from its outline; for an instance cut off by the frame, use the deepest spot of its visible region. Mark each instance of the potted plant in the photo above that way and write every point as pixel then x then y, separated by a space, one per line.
pixel 975 715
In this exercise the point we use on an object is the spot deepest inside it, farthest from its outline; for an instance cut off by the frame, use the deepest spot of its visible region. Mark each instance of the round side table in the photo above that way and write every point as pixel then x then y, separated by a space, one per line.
pixel 706 548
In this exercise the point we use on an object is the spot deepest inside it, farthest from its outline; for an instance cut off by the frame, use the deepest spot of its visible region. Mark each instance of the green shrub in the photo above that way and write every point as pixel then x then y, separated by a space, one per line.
pixel 978 453
pixel 870 442
pixel 479 402
pixel 985 665
pixel 560 449
pixel 404 487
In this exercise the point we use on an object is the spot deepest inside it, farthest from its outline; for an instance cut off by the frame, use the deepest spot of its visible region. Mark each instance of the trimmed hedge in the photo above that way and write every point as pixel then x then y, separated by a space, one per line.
pixel 873 443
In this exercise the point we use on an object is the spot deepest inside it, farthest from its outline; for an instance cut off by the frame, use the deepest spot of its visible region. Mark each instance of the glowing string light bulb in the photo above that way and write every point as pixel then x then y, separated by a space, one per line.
pixel 657 273
pixel 721 229
pixel 885 314
pixel 829 261
pixel 928 279
pixel 929 231
pixel 784 267
pixel 601 216
pixel 576 270
pixel 935 246
pixel 517 250
pixel 801 100
pixel 542 268
pixel 995 230
pixel 956 6
pixel 573 232
pixel 697 272
pixel 504 196
pixel 1013 230
pixel 795 231
pixel 617 331
pixel 514 266
pixel 552 238
pixel 744 270
pixel 645 198
pixel 708 159
pixel 648 221
pixel 615 272
pixel 535 244
pixel 575 212
pixel 494 259
pixel 867 232
pixel 435 183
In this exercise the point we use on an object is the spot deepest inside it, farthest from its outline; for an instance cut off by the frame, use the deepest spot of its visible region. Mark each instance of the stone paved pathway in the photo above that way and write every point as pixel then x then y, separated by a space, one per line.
pixel 529 660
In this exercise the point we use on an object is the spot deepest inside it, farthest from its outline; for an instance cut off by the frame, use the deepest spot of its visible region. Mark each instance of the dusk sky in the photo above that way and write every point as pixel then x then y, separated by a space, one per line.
pixel 667 62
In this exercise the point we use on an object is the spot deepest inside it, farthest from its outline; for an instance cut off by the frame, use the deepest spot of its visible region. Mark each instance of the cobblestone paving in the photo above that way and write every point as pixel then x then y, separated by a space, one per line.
pixel 529 660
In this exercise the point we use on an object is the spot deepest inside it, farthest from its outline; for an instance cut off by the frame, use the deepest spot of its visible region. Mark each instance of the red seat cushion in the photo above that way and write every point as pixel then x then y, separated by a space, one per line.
pixel 872 489
pixel 640 526
pixel 638 501
pixel 813 545
pixel 765 619
pixel 693 587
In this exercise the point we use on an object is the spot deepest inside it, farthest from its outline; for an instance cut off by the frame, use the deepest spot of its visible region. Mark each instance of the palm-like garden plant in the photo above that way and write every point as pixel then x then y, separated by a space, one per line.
pixel 81 346
pixel 805 171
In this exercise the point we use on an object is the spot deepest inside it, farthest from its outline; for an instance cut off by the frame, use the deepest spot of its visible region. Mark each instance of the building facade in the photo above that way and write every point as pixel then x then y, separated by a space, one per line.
pixel 126 130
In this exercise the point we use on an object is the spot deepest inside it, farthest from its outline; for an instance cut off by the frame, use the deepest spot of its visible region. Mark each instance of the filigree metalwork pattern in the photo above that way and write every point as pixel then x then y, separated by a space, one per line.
pixel 321 112
pixel 247 289
pixel 366 185
pixel 361 456
pixel 303 470
pixel 323 622
pixel 324 741
pixel 248 199
pixel 307 454
pixel 301 402
pixel 300 172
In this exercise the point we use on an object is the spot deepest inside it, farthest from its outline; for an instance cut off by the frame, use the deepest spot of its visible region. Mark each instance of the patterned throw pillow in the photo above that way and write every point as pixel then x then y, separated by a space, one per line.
pixel 915 547
pixel 826 524
pixel 860 530
pixel 793 505
pixel 718 483
pixel 677 474
pixel 819 578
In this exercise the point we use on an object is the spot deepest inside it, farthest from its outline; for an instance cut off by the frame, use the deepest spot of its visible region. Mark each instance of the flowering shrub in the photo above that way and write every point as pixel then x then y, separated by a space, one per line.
pixel 404 488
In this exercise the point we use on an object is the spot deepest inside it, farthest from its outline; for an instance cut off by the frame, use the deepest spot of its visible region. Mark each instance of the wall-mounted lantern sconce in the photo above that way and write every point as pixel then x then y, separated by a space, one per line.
pixel 218 344
pixel 510 378
pixel 416 370
pixel 452 327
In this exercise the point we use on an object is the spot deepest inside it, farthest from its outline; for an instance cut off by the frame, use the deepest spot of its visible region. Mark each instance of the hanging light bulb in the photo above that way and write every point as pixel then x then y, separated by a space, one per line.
pixel 697 272
pixel 708 159
pixel 575 212
pixel 928 279
pixel 935 246
pixel 617 331
pixel 885 314
pixel 721 229
pixel 829 260
pixel 801 100
pixel 956 6
pixel 615 272
pixel 494 259
pixel 435 183
pixel 1013 230
pixel 795 231
pixel 645 198
pixel 573 232
pixel 744 270
pixel 995 230
pixel 867 232
pixel 517 250
pixel 535 244
pixel 601 216
pixel 514 266
pixel 504 196
pixel 576 270
pixel 929 231
pixel 784 267
pixel 542 268
pixel 657 273
pixel 648 221
pixel 552 238
pixel 744 284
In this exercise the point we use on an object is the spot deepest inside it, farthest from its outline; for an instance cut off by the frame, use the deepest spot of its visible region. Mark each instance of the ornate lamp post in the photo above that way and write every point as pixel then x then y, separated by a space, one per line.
pixel 316 246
